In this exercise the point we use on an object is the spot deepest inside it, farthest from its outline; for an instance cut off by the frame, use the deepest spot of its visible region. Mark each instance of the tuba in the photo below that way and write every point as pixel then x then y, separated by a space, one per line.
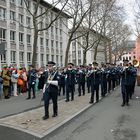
pixel 136 63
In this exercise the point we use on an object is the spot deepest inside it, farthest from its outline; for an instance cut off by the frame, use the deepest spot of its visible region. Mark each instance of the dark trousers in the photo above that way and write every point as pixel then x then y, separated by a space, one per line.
pixel 95 88
pixel 89 85
pixel 6 91
pixel 103 88
pixel 47 97
pixel 62 86
pixel 70 89
pixel 81 86
pixel 113 81
pixel 29 90
pixel 109 85
pixel 126 93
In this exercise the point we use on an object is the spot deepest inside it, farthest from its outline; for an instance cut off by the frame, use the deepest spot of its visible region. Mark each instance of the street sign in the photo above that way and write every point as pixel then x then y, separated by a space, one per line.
pixel 2 48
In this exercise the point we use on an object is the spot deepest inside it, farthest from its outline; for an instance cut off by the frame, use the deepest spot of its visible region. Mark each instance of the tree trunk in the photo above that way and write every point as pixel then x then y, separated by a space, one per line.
pixel 67 51
pixel 105 52
pixel 35 47
pixel 95 53
pixel 84 57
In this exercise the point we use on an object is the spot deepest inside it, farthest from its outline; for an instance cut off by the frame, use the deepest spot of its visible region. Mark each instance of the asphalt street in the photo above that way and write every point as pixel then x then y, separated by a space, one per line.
pixel 19 104
pixel 106 120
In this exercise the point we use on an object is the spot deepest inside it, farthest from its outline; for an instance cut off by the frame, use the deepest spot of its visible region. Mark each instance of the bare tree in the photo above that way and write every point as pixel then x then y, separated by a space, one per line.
pixel 137 18
pixel 77 9
pixel 37 19
pixel 93 26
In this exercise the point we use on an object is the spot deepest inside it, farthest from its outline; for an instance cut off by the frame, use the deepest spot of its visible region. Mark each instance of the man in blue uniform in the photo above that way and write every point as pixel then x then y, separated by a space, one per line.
pixel 88 78
pixel 104 81
pixel 81 80
pixel 108 77
pixel 95 81
pixel 70 81
pixel 126 83
pixel 31 78
pixel 61 81
pixel 51 90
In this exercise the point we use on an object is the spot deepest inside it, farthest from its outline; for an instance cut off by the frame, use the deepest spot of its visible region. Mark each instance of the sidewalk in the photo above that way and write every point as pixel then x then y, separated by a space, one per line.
pixel 31 121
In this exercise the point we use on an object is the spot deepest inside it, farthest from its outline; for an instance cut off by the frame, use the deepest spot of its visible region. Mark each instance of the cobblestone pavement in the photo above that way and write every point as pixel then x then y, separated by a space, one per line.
pixel 31 121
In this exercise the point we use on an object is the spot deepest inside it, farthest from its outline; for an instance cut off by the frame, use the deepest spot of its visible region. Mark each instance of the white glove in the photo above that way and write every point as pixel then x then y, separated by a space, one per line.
pixel 44 88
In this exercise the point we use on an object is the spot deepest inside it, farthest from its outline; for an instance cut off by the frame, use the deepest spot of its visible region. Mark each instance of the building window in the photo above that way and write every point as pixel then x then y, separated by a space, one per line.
pixel 56 31
pixel 3 58
pixel 42 57
pixel 57 45
pixel 20 19
pixel 28 4
pixel 20 3
pixel 47 58
pixel 60 22
pixel 52 30
pixel 12 36
pixel 21 37
pixel 52 58
pixel 126 58
pixel 47 43
pixel 29 39
pixel 12 16
pixel 2 34
pixel 21 57
pixel 28 21
pixel 61 59
pixel 12 1
pixel 60 32
pixel 57 60
pixel 41 42
pixel 41 25
pixel 2 13
pixel 13 56
pixel 129 57
pixel 52 44
pixel 61 46
pixel 28 57
pixel 134 56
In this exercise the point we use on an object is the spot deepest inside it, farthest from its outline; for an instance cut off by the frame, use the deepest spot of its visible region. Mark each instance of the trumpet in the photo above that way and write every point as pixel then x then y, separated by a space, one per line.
pixel 136 63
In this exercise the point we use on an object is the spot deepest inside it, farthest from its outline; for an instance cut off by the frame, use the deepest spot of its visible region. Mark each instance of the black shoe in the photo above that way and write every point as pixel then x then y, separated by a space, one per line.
pixel 123 105
pixel 33 97
pixel 28 98
pixel 79 95
pixel 7 97
pixel 45 117
pixel 54 115
pixel 66 100
pixel 91 102
pixel 72 99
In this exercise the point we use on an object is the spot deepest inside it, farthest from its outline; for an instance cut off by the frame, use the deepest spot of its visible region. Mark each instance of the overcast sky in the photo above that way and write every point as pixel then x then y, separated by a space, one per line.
pixel 129 6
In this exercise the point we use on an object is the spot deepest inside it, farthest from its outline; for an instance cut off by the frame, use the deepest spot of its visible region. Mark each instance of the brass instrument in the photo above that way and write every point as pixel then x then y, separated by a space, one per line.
pixel 136 63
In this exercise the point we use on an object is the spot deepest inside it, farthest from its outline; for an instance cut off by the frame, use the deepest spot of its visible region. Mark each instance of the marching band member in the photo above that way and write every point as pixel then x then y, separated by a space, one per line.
pixel 51 90
pixel 70 81
pixel 81 80
pixel 95 81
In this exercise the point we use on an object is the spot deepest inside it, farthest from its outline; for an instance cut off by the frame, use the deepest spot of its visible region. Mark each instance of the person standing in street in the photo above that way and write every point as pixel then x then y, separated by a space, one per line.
pixel 126 82
pixel 61 81
pixel 95 82
pixel 81 74
pixel 70 81
pixel 31 78
pixel 6 82
pixel 51 90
